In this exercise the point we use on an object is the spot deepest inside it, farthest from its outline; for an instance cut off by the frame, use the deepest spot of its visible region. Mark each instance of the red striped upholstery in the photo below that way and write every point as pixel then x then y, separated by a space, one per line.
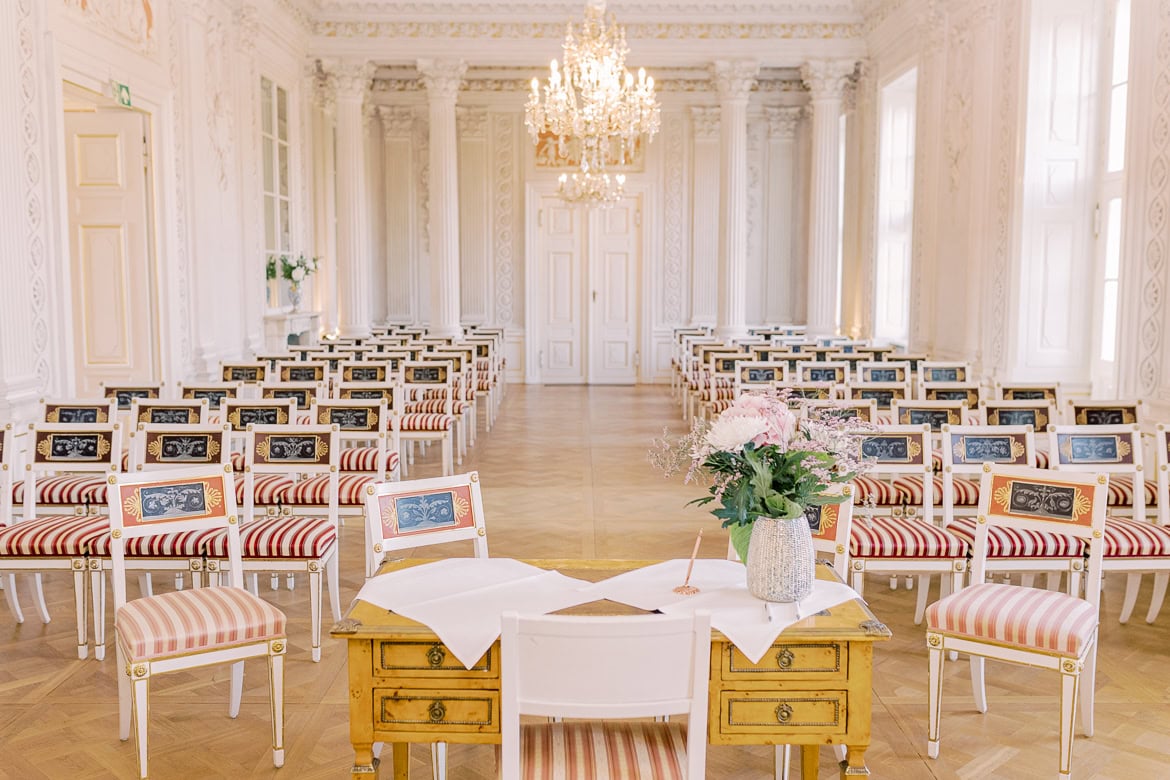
pixel 419 423
pixel 237 460
pixel 65 490
pixel 721 393
pixel 366 459
pixel 721 406
pixel 1121 491
pixel 936 463
pixel 280 537
pixel 197 619
pixel 910 488
pixel 438 395
pixel 351 491
pixel 269 489
pixel 631 750
pixel 55 536
pixel 485 385
pixel 435 406
pixel 189 544
pixel 1042 459
pixel 882 492
pixel 1018 543
pixel 1016 616
pixel 902 537
pixel 483 364
pixel 1129 538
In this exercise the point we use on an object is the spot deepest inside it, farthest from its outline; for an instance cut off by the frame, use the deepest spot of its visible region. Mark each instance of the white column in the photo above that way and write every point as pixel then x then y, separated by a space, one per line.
pixel 324 109
pixel 442 79
pixel 247 20
pixel 734 81
pixel 475 238
pixel 826 81
pixel 375 225
pixel 352 79
pixel 779 222
pixel 705 222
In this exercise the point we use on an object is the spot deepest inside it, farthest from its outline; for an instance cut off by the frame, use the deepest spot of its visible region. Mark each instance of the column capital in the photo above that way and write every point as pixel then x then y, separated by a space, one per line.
pixel 247 20
pixel 397 121
pixel 734 79
pixel 827 79
pixel 471 121
pixel 442 78
pixel 705 121
pixel 782 121
pixel 350 78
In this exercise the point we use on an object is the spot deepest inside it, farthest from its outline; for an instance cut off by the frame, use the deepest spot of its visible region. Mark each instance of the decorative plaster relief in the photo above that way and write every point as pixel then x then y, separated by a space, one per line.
pixel 959 100
pixel 674 149
pixel 782 121
pixel 496 30
pixel 827 79
pixel 422 165
pixel 1157 211
pixel 181 285
pixel 705 122
pixel 221 111
pixel 734 79
pixel 503 190
pixel 397 121
pixel 471 121
pixel 350 78
pixel 130 21
pixel 442 78
pixel 1007 83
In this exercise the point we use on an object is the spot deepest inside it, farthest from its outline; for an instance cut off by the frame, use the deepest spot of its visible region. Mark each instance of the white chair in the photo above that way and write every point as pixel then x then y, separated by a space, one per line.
pixel 1022 625
pixel 599 668
pixel 188 628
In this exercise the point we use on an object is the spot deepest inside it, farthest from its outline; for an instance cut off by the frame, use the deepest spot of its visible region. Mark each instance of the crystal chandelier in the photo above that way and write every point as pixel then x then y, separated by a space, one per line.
pixel 594 107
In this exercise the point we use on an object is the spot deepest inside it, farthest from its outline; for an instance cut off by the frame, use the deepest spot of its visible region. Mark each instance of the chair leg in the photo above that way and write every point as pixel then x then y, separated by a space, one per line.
pixel 920 602
pixel 179 580
pixel 1088 686
pixel 236 690
pixel 438 761
pixel 315 612
pixel 140 691
pixel 39 590
pixel 1133 583
pixel 255 588
pixel 1027 580
pixel 1068 706
pixel 97 591
pixel 123 696
pixel 276 696
pixel 79 603
pixel 331 577
pixel 1161 580
pixel 12 598
pixel 934 701
pixel 978 689
pixel 783 761
pixel 857 582
pixel 145 584
pixel 448 467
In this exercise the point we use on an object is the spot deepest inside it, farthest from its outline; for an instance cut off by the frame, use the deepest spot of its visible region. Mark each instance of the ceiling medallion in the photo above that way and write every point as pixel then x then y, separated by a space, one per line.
pixel 594 107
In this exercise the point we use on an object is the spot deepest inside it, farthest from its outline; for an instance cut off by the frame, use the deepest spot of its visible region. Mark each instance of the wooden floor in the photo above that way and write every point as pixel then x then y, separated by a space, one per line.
pixel 565 474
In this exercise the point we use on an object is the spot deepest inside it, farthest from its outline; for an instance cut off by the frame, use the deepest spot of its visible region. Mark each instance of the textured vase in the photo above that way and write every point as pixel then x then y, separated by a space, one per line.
pixel 781 559
pixel 294 295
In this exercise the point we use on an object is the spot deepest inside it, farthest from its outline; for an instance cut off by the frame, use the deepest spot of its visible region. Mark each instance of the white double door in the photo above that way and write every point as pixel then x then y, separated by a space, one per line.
pixel 586 301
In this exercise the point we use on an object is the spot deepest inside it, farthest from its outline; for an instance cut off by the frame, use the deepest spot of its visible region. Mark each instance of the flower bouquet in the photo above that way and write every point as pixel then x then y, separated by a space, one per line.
pixel 296 271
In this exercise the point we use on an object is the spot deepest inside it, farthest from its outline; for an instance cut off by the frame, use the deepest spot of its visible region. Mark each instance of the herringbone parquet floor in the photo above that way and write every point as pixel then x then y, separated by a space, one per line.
pixel 564 474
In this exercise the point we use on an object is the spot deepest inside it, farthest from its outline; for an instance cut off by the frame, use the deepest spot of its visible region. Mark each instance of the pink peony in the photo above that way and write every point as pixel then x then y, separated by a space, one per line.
pixel 780 422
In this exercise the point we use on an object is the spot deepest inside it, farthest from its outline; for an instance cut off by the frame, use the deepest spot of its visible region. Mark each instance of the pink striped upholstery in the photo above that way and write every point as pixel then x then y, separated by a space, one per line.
pixel 189 544
pixel 366 459
pixel 237 460
pixel 1121 491
pixel 1042 460
pixel 483 364
pixel 435 406
pixel 631 750
pixel 1019 543
pixel 65 490
pixel 269 489
pixel 881 491
pixel 54 536
pixel 936 463
pixel 902 537
pixel 485 385
pixel 721 393
pixel 910 488
pixel 438 395
pixel 418 423
pixel 192 620
pixel 1016 616
pixel 1129 538
pixel 720 406
pixel 280 537
pixel 351 491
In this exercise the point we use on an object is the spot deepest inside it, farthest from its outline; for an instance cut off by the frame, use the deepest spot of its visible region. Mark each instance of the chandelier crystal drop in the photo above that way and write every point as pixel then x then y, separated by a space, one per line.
pixel 599 189
pixel 593 105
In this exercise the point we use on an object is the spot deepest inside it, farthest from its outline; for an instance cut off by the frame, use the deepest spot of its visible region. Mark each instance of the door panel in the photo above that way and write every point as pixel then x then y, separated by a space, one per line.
pixel 562 249
pixel 615 263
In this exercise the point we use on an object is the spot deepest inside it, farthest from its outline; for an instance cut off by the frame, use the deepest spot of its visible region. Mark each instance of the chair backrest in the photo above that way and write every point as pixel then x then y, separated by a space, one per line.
pixel 942 371
pixel 966 392
pixel 1039 413
pixel 302 371
pixel 62 448
pixel 214 392
pixel 123 395
pixel 936 414
pixel 151 503
pixel 1072 504
pixel 900 449
pixel 1105 412
pixel 292 450
pixel 1162 459
pixel 302 393
pixel 78 410
pixel 360 421
pixel 1108 449
pixel 842 410
pixel 836 372
pixel 426 375
pixel 7 461
pixel 757 375
pixel 379 370
pixel 160 445
pixel 1030 391
pixel 414 513
pixel 883 371
pixel 815 391
pixel 189 411
pixel 389 392
pixel 965 448
pixel 249 373
pixel 830 525
pixel 621 667
pixel 883 394
pixel 272 411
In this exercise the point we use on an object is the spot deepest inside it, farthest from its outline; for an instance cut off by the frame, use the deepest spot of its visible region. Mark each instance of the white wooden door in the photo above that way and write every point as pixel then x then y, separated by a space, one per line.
pixel 114 323
pixel 615 243
pixel 562 250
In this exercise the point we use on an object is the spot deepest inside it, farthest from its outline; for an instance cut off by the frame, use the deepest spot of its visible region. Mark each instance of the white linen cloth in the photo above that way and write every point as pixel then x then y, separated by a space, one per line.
pixel 749 623
pixel 461 599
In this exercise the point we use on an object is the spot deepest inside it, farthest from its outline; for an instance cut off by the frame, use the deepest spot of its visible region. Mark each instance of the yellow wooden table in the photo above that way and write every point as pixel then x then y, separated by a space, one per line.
pixel 812 688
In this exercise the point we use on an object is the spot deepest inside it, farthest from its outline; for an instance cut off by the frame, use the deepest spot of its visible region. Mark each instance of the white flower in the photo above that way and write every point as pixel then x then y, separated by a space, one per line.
pixel 298 274
pixel 729 434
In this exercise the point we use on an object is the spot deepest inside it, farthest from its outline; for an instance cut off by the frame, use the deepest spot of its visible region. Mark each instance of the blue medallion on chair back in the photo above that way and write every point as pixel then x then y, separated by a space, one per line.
pixel 417 513
pixel 1092 448
pixel 79 446
pixel 945 374
pixel 899 448
pixel 126 395
pixel 1007 448
pixel 242 415
pixel 874 374
pixel 302 373
pixel 169 415
pixel 299 448
pixel 1123 414
pixel 243 373
pixel 823 374
pixel 181 448
pixel 166 501
pixel 214 395
pixel 758 375
pixel 1029 393
pixel 303 396
pixel 350 418
pixel 77 413
pixel 935 418
pixel 1037 416
pixel 967 395
pixel 433 375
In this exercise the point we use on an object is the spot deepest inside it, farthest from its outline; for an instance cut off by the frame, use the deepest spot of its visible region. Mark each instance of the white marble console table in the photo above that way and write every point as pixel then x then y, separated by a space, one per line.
pixel 280 326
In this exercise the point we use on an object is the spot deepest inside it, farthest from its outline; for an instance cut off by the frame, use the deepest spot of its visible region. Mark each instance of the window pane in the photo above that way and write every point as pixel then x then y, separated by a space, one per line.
pixel 1109 322
pixel 269 222
pixel 1113 239
pixel 266 105
pixel 1117 128
pixel 283 148
pixel 285 234
pixel 269 182
pixel 281 114
pixel 1121 43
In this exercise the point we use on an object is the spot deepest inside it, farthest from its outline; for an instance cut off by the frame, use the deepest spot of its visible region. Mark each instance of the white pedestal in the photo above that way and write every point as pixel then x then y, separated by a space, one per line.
pixel 279 326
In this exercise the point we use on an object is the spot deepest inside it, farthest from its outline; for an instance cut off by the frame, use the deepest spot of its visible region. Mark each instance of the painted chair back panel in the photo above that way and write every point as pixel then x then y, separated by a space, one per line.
pixel 883 371
pixel 157 445
pixel 240 414
pixel 1106 412
pixel 214 392
pixel 1039 413
pixel 836 372
pixel 964 392
pixel 865 411
pixel 181 412
pixel 816 391
pixel 883 394
pixel 123 395
pixel 81 410
pixel 937 371
pixel 967 447
pixel 249 373
pixel 933 413
pixel 298 371
pixel 301 393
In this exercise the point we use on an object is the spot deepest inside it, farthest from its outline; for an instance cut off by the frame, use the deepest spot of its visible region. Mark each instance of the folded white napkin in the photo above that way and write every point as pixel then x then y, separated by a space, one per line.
pixel 652 587
pixel 461 599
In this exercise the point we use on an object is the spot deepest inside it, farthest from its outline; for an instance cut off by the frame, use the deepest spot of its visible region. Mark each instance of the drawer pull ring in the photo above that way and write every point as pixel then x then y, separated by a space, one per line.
pixel 437 712
pixel 783 713
pixel 784 659
pixel 436 655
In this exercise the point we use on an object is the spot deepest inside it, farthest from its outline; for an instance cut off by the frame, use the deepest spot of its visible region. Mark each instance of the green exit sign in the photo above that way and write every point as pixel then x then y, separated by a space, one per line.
pixel 121 94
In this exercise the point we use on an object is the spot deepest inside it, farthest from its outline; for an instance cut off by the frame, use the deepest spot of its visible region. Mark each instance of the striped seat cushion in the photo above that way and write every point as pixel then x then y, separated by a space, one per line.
pixel 54 536
pixel 1019 543
pixel 721 393
pixel 193 620
pixel 188 544
pixel 910 488
pixel 281 537
pixel 237 459
pixel 631 750
pixel 1041 459
pixel 483 364
pixel 902 537
pixel 936 464
pixel 366 459
pixel 1129 538
pixel 717 407
pixel 420 423
pixel 436 406
pixel 1012 615
pixel 868 490
pixel 65 490
pixel 351 491
pixel 485 385
pixel 269 489
pixel 883 418
pixel 1121 491
pixel 439 395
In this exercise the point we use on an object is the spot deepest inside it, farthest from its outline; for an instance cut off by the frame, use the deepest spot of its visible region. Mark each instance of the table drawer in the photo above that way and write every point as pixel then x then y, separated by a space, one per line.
pixel 785 661
pixel 451 711
pixel 777 712
pixel 404 658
